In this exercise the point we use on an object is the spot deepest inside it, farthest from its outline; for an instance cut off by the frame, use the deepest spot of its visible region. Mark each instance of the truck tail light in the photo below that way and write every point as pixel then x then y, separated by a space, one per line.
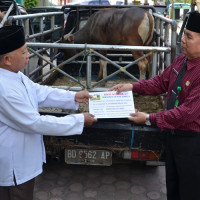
pixel 136 154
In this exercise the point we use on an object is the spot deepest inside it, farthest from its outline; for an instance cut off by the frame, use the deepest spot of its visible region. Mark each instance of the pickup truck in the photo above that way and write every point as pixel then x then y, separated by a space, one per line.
pixel 108 139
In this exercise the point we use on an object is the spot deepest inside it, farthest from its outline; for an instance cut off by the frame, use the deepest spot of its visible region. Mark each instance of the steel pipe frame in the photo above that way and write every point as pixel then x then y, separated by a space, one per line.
pixel 57 67
pixel 97 62
pixel 120 69
pixel 98 47
pixel 105 47
pixel 165 38
pixel 26 18
pixel 41 50
pixel 40 15
pixel 41 67
pixel 89 71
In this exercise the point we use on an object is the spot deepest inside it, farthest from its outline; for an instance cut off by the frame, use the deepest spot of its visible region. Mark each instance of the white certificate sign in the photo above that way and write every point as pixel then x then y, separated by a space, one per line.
pixel 111 105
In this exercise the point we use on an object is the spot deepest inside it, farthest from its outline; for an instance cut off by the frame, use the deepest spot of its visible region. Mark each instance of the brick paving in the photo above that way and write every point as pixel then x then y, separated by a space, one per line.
pixel 117 182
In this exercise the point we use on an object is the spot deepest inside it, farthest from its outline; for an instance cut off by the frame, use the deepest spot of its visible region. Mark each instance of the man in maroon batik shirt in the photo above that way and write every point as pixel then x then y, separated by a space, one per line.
pixel 180 124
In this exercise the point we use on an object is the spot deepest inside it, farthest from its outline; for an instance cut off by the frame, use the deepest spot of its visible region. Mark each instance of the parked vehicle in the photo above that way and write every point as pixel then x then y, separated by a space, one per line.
pixel 109 137
pixel 35 22
pixel 95 2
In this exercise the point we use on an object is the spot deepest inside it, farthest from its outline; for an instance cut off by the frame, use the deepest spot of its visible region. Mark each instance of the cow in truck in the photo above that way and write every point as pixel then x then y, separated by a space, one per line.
pixel 112 26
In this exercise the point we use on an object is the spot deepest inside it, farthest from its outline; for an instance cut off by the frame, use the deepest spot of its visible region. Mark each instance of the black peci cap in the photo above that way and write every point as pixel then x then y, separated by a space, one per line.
pixel 193 23
pixel 11 38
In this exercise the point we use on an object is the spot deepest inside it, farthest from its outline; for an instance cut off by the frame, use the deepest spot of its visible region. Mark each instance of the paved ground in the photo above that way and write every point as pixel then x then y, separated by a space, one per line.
pixel 118 182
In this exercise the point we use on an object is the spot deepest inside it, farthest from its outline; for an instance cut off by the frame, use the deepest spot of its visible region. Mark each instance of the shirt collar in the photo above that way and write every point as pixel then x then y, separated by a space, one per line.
pixel 193 63
pixel 9 74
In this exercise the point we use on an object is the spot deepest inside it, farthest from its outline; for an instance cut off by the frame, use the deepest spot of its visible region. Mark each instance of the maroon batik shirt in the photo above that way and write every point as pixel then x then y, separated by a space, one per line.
pixel 187 115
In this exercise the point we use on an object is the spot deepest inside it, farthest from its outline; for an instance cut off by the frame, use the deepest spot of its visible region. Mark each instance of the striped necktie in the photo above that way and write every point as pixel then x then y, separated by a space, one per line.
pixel 174 94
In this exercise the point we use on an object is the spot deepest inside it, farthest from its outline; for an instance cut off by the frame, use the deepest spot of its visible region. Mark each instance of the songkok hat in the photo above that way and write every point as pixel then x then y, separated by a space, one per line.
pixel 11 38
pixel 193 22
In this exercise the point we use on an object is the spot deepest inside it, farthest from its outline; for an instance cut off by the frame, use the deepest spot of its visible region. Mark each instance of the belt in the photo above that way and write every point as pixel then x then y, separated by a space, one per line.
pixel 182 133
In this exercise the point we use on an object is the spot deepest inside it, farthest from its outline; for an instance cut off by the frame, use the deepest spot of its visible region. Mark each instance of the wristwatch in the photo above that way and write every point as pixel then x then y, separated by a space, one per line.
pixel 147 122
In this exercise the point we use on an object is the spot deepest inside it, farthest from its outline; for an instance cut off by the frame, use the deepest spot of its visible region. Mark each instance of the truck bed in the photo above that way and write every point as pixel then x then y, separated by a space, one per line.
pixel 114 135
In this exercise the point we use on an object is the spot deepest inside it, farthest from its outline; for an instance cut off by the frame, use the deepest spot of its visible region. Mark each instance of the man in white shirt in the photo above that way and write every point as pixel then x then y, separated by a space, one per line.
pixel 22 151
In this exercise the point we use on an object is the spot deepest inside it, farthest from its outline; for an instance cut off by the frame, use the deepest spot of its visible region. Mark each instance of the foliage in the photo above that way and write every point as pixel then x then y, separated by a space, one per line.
pixel 178 1
pixel 175 1
pixel 182 1
pixel 30 3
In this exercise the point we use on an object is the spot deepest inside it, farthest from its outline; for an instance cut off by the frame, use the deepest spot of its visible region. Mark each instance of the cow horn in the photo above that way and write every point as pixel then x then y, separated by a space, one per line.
pixel 71 31
pixel 66 36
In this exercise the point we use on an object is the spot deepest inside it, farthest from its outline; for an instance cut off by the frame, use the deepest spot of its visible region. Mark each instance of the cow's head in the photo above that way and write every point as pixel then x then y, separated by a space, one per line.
pixel 67 53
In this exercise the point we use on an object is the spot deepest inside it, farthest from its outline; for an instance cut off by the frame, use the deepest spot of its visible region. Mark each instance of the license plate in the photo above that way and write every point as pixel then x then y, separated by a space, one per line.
pixel 88 157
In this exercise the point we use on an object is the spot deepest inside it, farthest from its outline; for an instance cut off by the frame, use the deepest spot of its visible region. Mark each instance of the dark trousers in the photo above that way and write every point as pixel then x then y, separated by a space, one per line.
pixel 18 192
pixel 183 167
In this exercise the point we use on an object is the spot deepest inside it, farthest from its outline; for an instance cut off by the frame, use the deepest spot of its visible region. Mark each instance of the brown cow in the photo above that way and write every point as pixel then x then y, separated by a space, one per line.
pixel 125 26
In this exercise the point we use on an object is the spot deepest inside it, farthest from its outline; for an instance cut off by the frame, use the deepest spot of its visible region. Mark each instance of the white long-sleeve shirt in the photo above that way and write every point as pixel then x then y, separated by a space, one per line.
pixel 22 151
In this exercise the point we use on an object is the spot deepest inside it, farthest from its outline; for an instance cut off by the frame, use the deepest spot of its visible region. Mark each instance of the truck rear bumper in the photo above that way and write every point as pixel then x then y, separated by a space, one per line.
pixel 114 136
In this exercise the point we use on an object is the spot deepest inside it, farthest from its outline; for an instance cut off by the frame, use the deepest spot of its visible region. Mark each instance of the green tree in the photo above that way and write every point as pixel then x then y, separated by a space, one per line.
pixel 30 3
pixel 179 1
pixel 182 1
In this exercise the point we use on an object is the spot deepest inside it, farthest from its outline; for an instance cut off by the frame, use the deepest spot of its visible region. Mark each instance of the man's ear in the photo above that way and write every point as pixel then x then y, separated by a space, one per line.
pixel 7 59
